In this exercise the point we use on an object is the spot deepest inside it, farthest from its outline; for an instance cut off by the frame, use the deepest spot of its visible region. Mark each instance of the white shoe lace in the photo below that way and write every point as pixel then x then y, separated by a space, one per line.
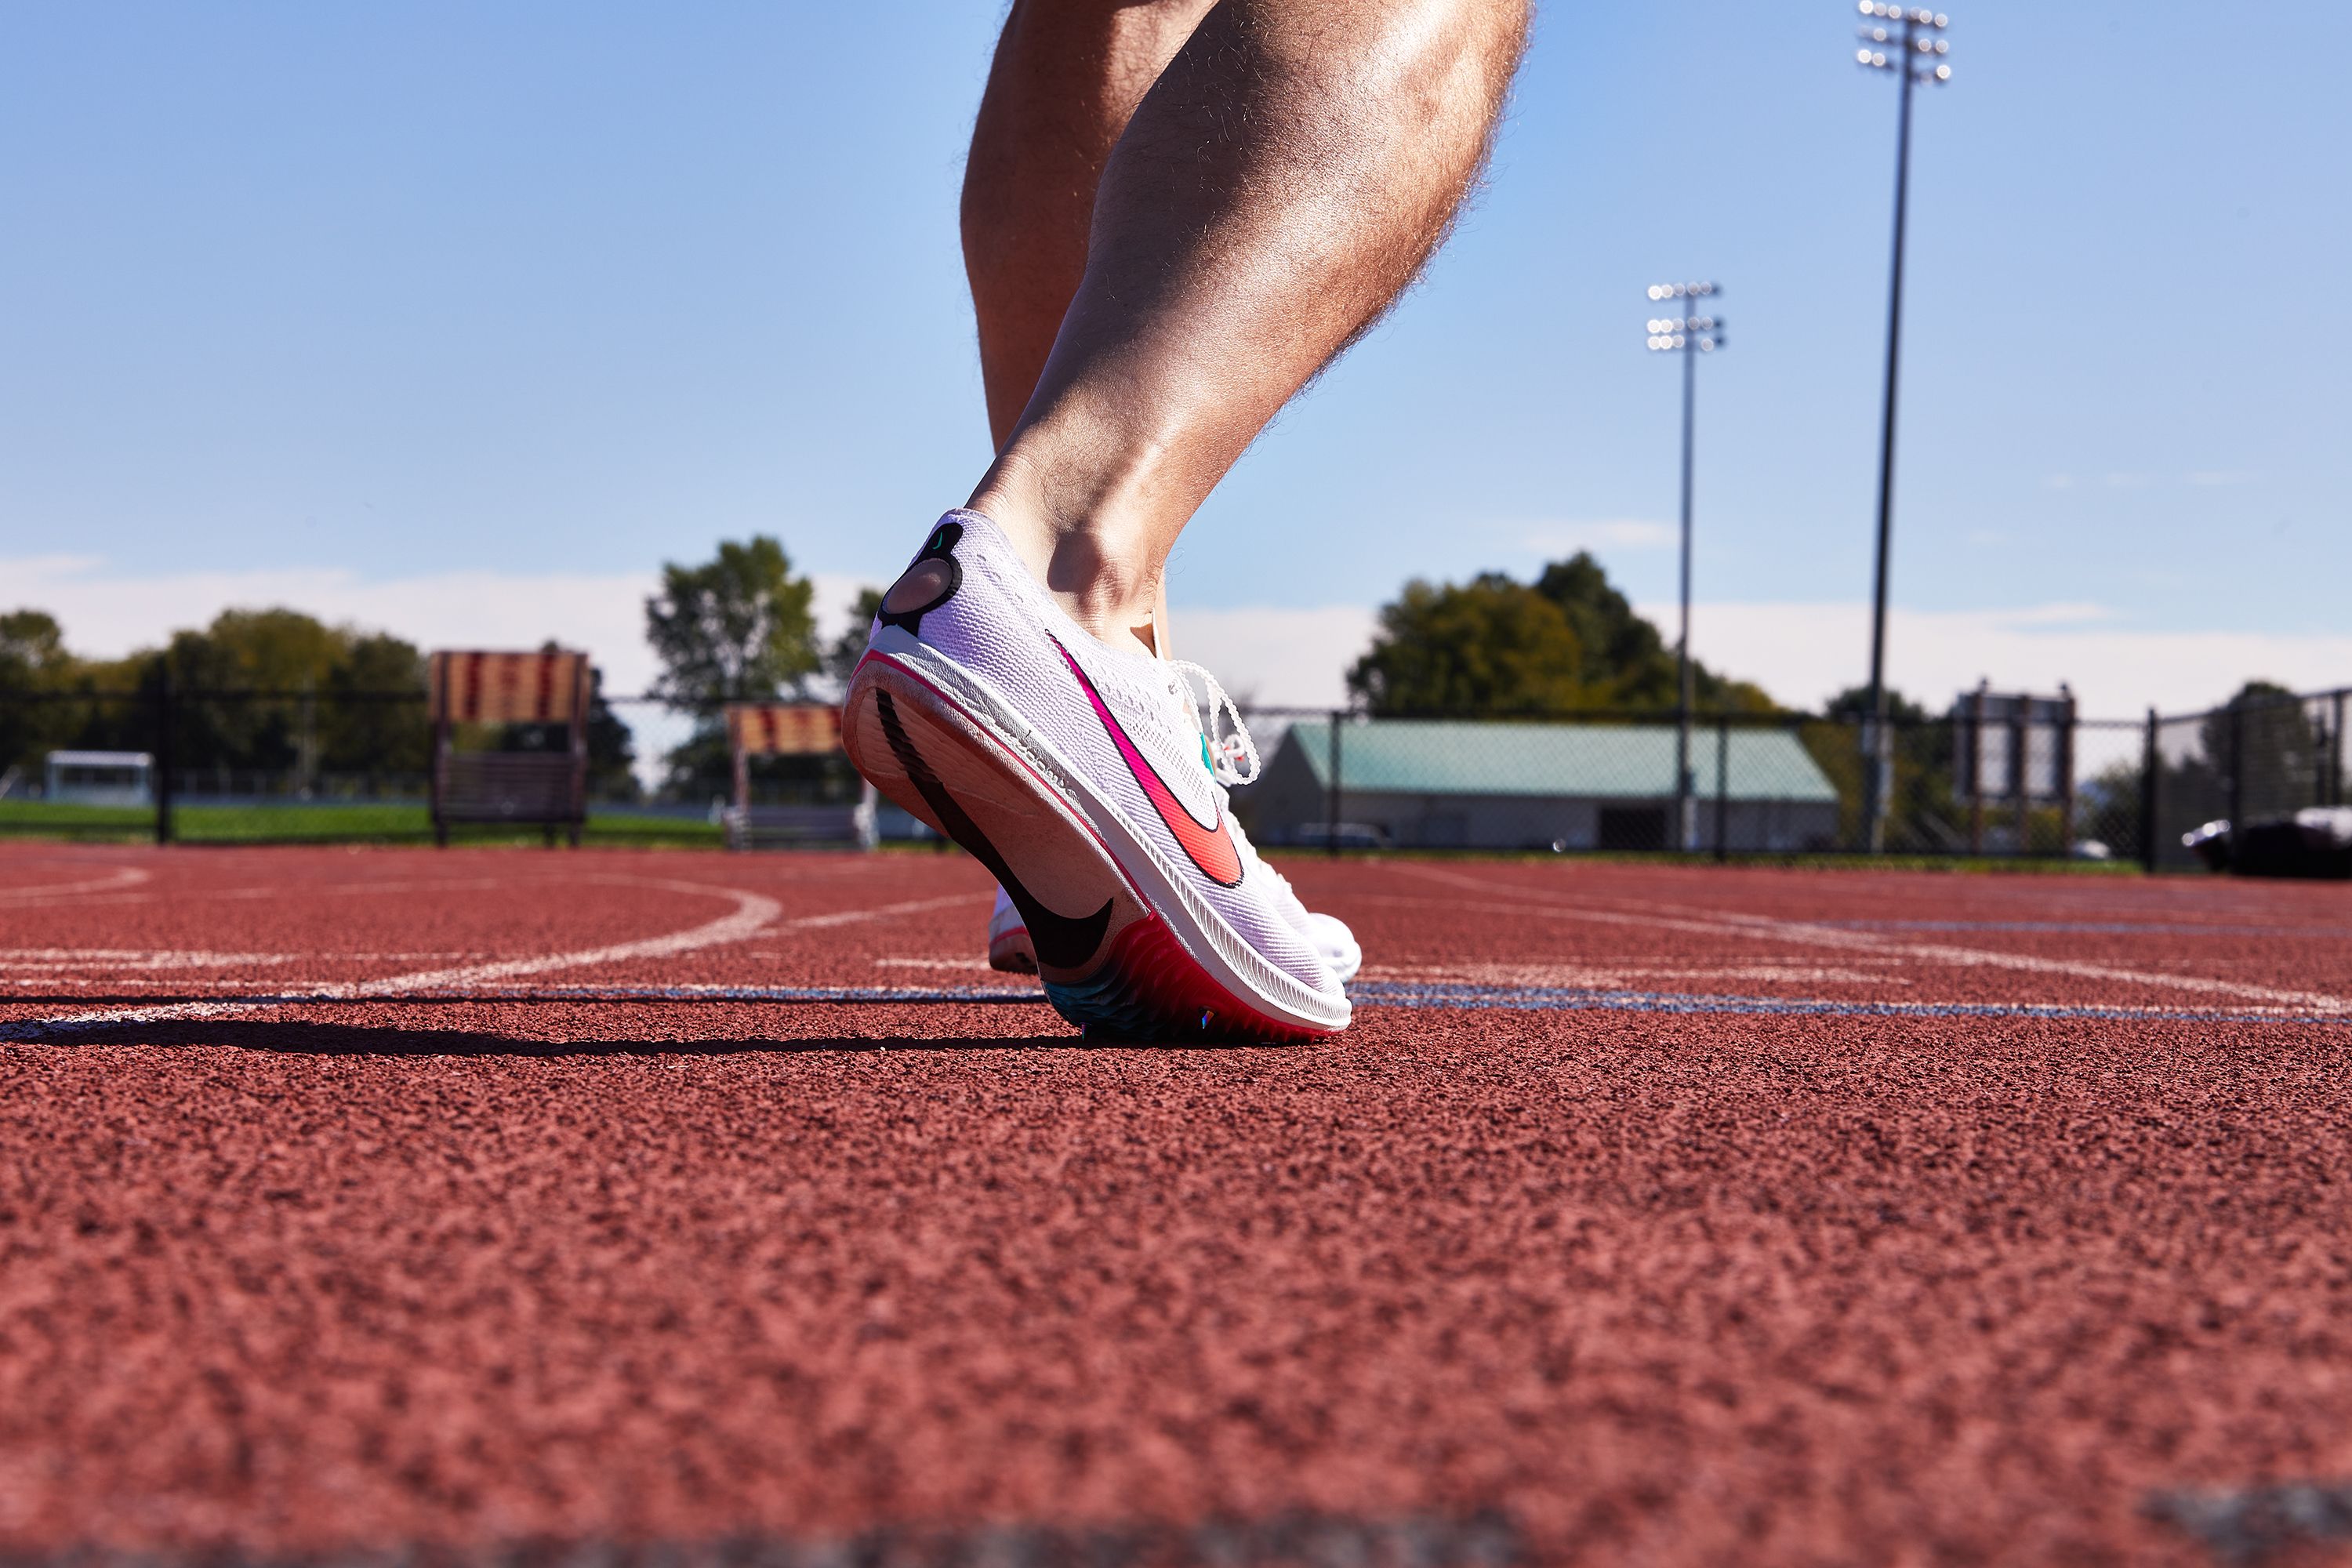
pixel 1226 752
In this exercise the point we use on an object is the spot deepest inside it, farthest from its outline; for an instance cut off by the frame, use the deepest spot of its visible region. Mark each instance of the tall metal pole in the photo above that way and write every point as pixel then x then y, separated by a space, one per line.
pixel 1689 335
pixel 1685 803
pixel 1880 753
pixel 1878 763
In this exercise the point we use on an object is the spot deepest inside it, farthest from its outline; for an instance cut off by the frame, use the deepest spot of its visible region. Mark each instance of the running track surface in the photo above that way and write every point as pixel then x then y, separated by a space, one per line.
pixel 367 1201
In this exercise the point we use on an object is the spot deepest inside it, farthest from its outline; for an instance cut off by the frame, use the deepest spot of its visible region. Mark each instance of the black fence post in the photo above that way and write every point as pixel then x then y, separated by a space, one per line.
pixel 2150 764
pixel 2336 756
pixel 1723 787
pixel 2066 740
pixel 163 726
pixel 1331 800
pixel 2237 776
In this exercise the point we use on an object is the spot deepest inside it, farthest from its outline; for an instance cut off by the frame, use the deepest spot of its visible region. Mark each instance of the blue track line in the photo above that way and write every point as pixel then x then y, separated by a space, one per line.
pixel 1434 996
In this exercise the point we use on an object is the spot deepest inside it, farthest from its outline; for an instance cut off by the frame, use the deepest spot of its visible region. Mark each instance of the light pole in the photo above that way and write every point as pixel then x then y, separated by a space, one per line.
pixel 1908 43
pixel 1689 336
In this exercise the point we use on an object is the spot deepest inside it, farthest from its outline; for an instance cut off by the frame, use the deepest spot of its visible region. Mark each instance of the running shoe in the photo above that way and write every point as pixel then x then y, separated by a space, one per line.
pixel 1008 949
pixel 1074 772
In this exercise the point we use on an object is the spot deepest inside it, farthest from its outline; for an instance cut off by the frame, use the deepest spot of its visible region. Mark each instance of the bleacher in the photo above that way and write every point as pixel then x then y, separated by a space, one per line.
pixel 545 788
pixel 791 730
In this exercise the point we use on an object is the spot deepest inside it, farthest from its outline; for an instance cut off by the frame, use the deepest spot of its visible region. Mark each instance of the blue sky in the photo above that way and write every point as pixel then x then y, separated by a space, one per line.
pixel 362 299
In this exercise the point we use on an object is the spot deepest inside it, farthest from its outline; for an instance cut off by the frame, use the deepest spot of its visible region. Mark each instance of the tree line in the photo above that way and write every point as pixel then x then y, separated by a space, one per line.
pixel 741 627
pixel 346 702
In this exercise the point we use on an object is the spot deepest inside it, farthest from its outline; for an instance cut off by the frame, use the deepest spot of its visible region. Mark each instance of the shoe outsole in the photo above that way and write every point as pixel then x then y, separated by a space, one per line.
pixel 1140 984
pixel 1012 953
pixel 1152 990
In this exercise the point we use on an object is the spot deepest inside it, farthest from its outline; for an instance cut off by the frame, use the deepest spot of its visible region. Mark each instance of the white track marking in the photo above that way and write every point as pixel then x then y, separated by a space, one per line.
pixel 46 984
pixel 980 964
pixel 1610 976
pixel 1677 917
pixel 753 913
pixel 51 958
pixel 336 890
pixel 851 917
pixel 128 876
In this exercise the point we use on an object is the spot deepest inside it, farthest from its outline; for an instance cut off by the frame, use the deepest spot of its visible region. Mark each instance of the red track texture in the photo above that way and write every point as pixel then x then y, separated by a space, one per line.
pixel 379 1200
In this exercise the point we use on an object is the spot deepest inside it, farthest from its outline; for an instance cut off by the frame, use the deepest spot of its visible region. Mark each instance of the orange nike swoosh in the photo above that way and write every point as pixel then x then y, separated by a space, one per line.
pixel 1208 846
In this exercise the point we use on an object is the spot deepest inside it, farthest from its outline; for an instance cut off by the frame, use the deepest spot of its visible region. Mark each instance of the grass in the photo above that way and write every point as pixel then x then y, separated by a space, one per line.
pixel 360 822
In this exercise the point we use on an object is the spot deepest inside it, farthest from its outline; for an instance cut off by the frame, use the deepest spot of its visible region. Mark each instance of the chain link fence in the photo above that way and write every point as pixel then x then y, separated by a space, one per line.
pixel 356 766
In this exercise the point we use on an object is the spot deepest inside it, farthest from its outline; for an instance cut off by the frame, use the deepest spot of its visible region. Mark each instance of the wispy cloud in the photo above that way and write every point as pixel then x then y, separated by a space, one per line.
pixel 1802 653
pixel 2125 479
pixel 2057 615
pixel 1565 537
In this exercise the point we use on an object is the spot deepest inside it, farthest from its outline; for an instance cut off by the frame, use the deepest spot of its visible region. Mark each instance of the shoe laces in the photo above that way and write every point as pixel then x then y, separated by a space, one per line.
pixel 1228 753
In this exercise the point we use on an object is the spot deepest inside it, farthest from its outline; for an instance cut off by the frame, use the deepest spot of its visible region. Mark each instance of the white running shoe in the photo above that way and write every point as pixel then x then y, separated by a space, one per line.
pixel 1063 766
pixel 1008 938
pixel 1008 949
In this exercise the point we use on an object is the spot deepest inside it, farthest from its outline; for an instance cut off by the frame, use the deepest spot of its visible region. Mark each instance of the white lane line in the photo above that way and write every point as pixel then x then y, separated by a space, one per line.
pixel 1611 976
pixel 339 890
pixel 1681 917
pixel 41 985
pixel 54 958
pixel 851 917
pixel 753 913
pixel 128 876
pixel 2030 964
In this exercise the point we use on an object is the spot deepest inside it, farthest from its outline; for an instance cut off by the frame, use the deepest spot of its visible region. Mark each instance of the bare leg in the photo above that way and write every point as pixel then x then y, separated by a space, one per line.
pixel 1067 76
pixel 1280 182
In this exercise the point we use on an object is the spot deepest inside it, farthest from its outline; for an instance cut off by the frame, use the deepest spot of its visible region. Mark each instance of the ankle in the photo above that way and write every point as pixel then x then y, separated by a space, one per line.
pixel 1102 571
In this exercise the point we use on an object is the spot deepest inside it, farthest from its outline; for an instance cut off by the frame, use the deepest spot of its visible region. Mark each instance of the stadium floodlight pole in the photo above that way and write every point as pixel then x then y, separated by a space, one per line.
pixel 1908 43
pixel 1689 336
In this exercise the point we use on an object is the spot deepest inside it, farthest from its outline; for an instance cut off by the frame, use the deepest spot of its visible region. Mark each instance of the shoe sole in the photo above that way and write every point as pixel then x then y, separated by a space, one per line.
pixel 944 764
pixel 1010 953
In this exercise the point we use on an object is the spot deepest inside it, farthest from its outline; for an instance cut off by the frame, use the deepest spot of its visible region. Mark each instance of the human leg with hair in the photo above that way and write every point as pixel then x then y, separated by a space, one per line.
pixel 1066 78
pixel 1279 182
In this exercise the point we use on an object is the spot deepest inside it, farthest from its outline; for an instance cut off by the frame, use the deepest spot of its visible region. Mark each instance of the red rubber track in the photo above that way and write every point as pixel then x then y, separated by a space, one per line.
pixel 1679 1215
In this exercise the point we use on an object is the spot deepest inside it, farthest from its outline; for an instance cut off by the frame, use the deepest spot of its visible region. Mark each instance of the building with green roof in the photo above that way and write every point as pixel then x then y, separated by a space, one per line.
pixel 1476 784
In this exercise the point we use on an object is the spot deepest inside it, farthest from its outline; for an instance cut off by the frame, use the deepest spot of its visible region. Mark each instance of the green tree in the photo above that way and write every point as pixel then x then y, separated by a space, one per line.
pixel 1924 812
pixel 1627 659
pixel 35 670
pixel 612 748
pixel 1493 645
pixel 846 649
pixel 2263 751
pixel 360 731
pixel 737 629
pixel 1489 645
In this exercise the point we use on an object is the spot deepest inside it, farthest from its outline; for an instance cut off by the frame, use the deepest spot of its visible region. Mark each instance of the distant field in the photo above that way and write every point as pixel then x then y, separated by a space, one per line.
pixel 364 823
pixel 357 822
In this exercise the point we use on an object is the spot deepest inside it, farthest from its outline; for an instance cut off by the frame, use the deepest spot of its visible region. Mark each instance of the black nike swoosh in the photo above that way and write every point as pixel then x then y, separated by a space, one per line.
pixel 1061 941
